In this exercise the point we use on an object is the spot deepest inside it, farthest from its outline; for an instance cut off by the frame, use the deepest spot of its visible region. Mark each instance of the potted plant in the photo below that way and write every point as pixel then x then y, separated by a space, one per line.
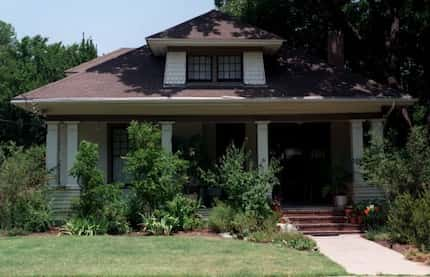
pixel 349 210
pixel 337 189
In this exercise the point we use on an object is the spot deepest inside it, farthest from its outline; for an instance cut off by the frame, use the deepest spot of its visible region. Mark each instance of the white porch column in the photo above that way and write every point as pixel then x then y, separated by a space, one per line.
pixel 52 139
pixel 72 150
pixel 166 135
pixel 262 144
pixel 357 149
pixel 377 130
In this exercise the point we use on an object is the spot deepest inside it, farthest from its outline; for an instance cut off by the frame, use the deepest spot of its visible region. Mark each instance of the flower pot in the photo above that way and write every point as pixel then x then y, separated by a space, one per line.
pixel 353 219
pixel 359 219
pixel 348 211
pixel 340 201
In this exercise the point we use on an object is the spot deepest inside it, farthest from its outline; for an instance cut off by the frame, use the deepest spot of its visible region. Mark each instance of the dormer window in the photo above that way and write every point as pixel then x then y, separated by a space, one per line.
pixel 229 68
pixel 219 68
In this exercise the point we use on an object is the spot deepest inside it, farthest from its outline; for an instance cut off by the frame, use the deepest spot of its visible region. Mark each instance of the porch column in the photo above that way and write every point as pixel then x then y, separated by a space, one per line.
pixel 166 135
pixel 377 130
pixel 262 144
pixel 52 151
pixel 72 150
pixel 356 154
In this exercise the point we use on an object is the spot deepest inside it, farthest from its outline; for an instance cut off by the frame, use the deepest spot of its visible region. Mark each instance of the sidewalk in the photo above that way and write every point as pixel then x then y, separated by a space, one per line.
pixel 360 256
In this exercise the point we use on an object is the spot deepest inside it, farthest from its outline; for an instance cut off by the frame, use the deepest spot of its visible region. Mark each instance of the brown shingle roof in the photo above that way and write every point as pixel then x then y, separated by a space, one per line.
pixel 138 73
pixel 214 25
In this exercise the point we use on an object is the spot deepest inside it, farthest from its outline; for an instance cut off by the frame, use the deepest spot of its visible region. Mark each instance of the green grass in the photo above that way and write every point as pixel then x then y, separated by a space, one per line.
pixel 161 256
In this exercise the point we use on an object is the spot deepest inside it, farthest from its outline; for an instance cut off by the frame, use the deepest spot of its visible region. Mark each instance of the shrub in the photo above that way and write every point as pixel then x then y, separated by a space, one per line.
pixel 421 221
pixel 246 188
pixel 221 217
pixel 24 203
pixel 296 241
pixel 400 218
pixel 399 170
pixel 185 210
pixel 103 204
pixel 157 176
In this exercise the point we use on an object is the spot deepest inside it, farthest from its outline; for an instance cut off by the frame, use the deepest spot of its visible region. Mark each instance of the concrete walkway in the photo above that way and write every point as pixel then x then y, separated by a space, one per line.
pixel 360 256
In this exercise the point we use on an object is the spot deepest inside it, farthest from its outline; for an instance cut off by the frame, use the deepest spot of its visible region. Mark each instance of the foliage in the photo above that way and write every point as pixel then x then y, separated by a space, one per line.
pixel 221 217
pixel 23 189
pixel 157 176
pixel 26 64
pixel 372 31
pixel 380 234
pixel 399 170
pixel 246 188
pixel 105 204
pixel 409 219
pixel 82 227
pixel 185 210
pixel 374 213
pixel 159 226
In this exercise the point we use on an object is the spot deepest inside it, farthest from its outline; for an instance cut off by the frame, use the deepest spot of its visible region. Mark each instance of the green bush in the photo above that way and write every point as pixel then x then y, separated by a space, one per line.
pixel 104 204
pixel 293 240
pixel 421 221
pixel 186 211
pixel 399 170
pixel 221 218
pixel 400 218
pixel 157 176
pixel 246 188
pixel 24 196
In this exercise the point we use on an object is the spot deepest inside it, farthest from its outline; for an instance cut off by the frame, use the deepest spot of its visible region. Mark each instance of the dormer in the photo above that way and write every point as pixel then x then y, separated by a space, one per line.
pixel 214 49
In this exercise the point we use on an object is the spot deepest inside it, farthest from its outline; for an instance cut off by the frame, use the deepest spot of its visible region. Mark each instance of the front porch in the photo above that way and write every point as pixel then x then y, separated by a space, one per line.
pixel 310 151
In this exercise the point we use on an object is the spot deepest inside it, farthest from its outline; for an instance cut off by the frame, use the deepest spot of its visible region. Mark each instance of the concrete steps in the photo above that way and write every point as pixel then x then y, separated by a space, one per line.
pixel 322 221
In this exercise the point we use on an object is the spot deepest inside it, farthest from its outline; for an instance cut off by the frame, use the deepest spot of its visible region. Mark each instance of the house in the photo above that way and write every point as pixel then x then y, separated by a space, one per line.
pixel 218 79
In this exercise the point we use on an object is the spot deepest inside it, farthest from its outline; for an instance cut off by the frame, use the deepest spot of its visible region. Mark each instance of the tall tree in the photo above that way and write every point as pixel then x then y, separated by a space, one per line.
pixel 27 64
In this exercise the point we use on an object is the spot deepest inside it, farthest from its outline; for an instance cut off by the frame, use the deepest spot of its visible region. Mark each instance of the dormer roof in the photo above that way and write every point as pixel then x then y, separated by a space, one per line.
pixel 214 28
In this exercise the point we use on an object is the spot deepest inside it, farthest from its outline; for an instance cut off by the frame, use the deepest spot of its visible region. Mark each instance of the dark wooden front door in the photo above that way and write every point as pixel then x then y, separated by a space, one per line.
pixel 304 153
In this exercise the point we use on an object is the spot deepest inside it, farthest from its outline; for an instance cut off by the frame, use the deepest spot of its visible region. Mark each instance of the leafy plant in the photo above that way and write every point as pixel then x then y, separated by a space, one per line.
pixel 24 202
pixel 157 176
pixel 246 188
pixel 400 218
pixel 82 227
pixel 159 226
pixel 186 211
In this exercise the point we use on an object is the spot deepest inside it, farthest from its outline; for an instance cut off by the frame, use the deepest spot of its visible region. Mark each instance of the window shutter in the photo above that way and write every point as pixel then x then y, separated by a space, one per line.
pixel 253 68
pixel 175 71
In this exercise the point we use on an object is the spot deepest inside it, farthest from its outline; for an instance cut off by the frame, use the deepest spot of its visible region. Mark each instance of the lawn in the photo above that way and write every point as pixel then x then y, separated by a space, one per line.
pixel 127 255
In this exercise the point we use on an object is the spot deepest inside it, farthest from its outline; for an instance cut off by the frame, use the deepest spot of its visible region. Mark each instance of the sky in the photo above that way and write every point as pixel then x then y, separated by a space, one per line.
pixel 112 24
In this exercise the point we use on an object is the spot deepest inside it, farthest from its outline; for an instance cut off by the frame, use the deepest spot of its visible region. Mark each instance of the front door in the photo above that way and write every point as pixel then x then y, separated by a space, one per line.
pixel 304 153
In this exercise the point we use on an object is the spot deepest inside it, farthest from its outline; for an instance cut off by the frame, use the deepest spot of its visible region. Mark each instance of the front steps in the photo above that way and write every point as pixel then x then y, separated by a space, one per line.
pixel 324 221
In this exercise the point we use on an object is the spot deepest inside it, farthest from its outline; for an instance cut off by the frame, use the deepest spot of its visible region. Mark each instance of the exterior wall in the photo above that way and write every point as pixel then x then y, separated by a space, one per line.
pixel 175 70
pixel 253 68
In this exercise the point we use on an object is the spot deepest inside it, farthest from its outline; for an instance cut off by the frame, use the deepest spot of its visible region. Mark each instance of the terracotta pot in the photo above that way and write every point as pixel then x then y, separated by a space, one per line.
pixel 353 219
pixel 359 219
pixel 348 212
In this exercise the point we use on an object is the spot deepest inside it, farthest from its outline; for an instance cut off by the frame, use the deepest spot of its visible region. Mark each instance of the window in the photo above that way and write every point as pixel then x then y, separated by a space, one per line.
pixel 199 68
pixel 229 68
pixel 119 141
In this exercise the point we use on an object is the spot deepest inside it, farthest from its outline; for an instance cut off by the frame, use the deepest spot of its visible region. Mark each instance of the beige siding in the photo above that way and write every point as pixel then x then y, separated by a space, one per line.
pixel 62 200
pixel 253 68
pixel 175 70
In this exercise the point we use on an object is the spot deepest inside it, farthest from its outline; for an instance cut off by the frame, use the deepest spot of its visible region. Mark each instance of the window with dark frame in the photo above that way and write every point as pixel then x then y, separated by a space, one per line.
pixel 229 68
pixel 120 147
pixel 199 68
